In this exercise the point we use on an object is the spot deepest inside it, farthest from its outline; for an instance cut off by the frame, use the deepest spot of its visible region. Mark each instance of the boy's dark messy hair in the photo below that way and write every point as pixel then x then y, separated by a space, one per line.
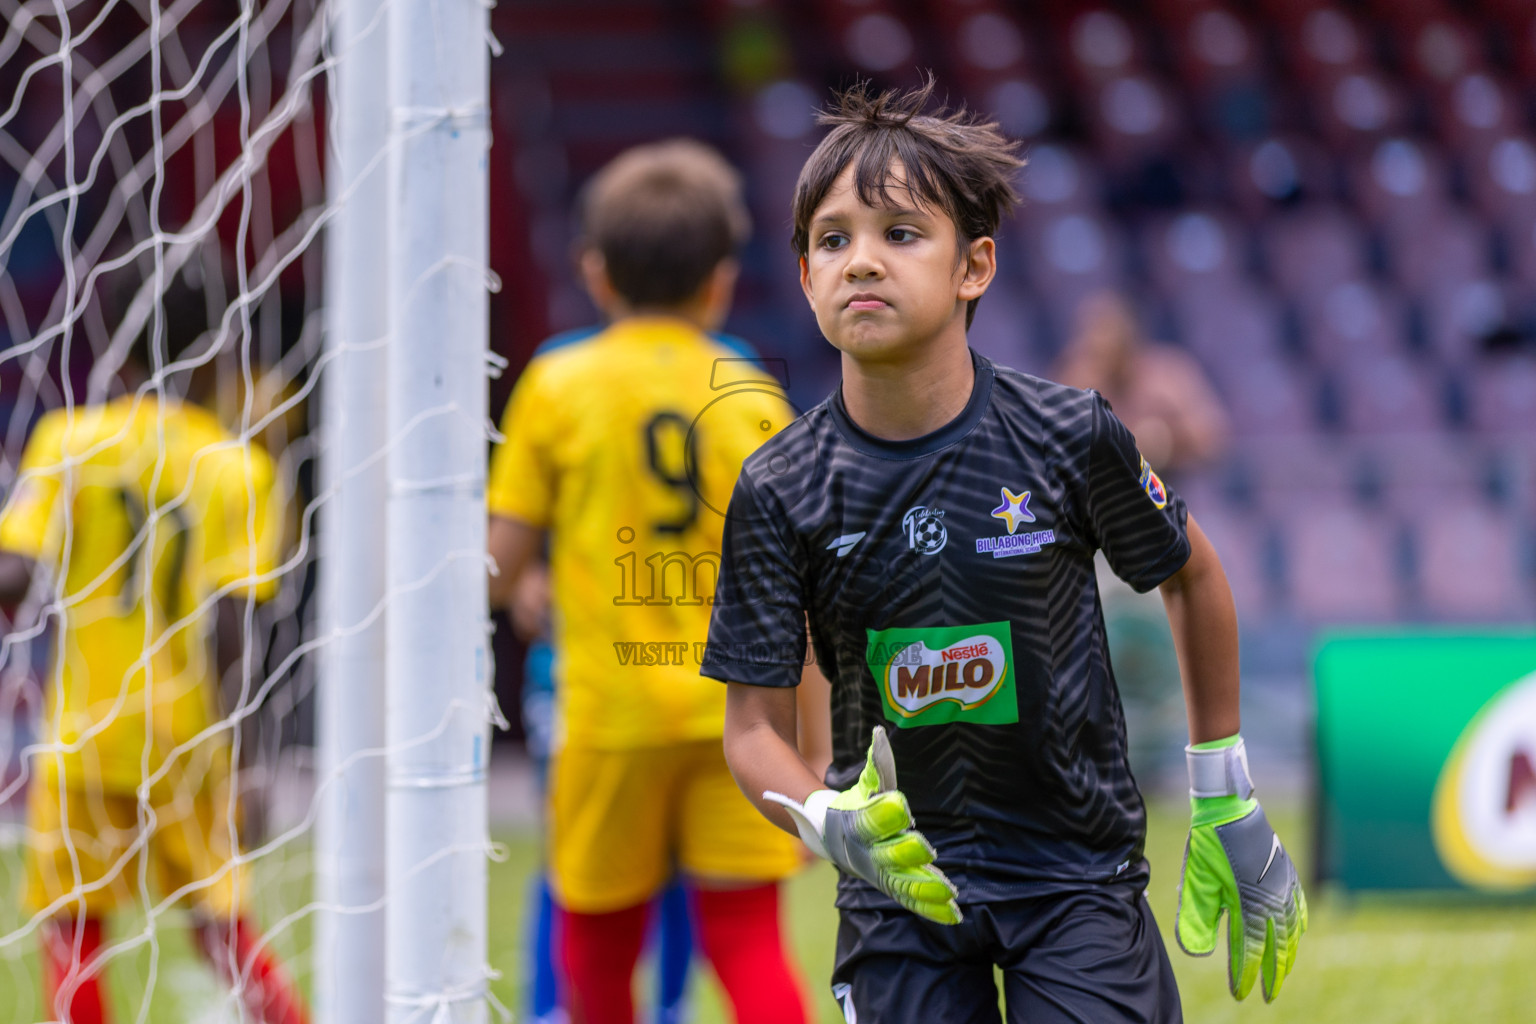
pixel 664 216
pixel 954 161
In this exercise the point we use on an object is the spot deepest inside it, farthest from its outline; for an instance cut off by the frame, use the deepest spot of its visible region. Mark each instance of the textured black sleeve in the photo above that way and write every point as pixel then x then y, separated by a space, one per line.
pixel 757 627
pixel 1137 521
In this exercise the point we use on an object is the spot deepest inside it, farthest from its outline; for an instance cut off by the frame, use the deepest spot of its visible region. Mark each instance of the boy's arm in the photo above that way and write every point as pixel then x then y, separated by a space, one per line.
pixel 512 545
pixel 1233 860
pixel 761 751
pixel 813 705
pixel 1204 623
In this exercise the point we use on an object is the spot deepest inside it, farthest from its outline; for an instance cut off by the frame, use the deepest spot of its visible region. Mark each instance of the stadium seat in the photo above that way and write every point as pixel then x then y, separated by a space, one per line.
pixel 1358 108
pixel 1342 563
pixel 1405 474
pixel 1289 14
pixel 1444 248
pixel 1269 397
pixel 1310 250
pixel 1352 320
pixel 1072 255
pixel 1228 326
pixel 1459 315
pixel 1468 559
pixel 1438 49
pixel 1325 45
pixel 872 35
pixel 1519 23
pixel 1402 21
pixel 1387 394
pixel 1400 179
pixel 1503 395
pixel 1278 171
pixel 1501 177
pixel 1099 46
pixel 1058 179
pixel 1284 474
pixel 1475 111
pixel 1197 249
pixel 1518 234
pixel 1133 117
pixel 1025 107
pixel 1214 47
pixel 985 38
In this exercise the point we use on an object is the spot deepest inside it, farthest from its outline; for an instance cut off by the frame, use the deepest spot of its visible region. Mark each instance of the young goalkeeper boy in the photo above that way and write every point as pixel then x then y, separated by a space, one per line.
pixel 936 519
pixel 622 447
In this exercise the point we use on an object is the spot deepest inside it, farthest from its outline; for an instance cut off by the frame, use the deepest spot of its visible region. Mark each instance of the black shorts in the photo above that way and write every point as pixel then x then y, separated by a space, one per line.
pixel 1086 957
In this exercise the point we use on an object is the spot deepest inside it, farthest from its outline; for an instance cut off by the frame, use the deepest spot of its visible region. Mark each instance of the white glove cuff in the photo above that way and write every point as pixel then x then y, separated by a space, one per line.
pixel 810 817
pixel 816 806
pixel 1220 772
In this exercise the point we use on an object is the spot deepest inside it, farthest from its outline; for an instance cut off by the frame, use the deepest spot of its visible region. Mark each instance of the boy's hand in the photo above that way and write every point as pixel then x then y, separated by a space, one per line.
pixel 867 831
pixel 1234 862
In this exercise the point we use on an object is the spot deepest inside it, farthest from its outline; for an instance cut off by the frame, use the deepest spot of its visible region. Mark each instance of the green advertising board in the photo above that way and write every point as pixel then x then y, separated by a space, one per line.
pixel 1425 747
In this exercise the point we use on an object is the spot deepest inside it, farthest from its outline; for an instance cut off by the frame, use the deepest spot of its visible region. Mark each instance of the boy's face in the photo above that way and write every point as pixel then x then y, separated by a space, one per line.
pixel 885 281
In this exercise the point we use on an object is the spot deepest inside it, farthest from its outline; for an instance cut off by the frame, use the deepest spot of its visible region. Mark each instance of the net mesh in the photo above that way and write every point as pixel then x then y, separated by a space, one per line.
pixel 161 192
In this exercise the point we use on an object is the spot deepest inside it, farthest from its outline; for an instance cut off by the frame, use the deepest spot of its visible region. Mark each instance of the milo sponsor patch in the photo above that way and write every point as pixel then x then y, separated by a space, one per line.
pixel 945 674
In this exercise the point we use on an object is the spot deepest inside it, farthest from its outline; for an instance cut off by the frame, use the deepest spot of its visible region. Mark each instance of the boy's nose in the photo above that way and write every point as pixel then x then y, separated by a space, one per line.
pixel 862 262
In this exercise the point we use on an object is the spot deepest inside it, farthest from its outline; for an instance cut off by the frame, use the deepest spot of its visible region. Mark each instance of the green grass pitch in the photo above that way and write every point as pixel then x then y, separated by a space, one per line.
pixel 1363 961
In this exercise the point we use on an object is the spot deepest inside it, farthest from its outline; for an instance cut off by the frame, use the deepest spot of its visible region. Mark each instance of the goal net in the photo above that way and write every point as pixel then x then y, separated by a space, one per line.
pixel 162 206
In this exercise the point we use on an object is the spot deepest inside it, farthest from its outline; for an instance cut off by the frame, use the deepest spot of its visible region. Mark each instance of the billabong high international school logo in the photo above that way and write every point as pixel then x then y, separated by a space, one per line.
pixel 1014 510
pixel 1152 485
pixel 945 674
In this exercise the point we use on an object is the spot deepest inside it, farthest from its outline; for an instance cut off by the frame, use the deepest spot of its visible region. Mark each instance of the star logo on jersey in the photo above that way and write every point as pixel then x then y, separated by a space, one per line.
pixel 1014 510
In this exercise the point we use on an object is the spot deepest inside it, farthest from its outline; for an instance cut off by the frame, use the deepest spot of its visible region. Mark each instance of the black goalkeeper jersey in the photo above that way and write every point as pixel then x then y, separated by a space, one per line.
pixel 949 584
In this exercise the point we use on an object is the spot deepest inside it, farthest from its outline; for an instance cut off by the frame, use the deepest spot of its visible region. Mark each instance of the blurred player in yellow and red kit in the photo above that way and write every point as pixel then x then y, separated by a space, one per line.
pixel 622 447
pixel 147 526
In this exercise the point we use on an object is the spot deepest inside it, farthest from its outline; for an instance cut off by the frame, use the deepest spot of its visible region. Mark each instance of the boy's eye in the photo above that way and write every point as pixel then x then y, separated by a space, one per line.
pixel 901 234
pixel 833 241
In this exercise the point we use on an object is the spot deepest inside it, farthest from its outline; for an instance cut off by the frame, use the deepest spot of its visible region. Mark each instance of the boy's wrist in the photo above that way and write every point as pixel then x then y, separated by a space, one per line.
pixel 1219 768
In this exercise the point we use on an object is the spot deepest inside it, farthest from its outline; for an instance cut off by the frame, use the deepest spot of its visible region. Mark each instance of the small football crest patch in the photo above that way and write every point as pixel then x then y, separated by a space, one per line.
pixel 1153 486
pixel 925 529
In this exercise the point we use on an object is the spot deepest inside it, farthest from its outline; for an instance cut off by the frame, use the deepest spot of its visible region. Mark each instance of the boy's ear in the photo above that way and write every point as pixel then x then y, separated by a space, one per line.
pixel 719 290
pixel 594 275
pixel 980 267
pixel 805 282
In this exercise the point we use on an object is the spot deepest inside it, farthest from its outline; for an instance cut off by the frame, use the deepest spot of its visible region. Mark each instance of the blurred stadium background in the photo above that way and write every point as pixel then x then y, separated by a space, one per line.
pixel 1330 206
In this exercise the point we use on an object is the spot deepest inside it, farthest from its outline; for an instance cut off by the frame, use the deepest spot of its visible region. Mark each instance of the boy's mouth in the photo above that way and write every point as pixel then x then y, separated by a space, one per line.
pixel 866 300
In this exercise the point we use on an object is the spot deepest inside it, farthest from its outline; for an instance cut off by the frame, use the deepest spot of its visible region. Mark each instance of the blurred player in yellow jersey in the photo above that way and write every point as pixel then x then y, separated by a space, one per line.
pixel 146 527
pixel 623 446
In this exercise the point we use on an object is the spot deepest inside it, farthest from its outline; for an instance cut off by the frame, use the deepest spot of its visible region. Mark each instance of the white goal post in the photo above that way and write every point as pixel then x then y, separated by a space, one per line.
pixel 429 298
pixel 437 664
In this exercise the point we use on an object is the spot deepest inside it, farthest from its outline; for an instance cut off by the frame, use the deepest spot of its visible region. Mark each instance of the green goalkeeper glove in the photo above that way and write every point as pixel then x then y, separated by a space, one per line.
pixel 1234 862
pixel 867 831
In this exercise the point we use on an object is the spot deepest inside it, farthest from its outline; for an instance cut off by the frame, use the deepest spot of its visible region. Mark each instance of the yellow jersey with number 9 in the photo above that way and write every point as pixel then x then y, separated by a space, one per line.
pixel 142 515
pixel 625 445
